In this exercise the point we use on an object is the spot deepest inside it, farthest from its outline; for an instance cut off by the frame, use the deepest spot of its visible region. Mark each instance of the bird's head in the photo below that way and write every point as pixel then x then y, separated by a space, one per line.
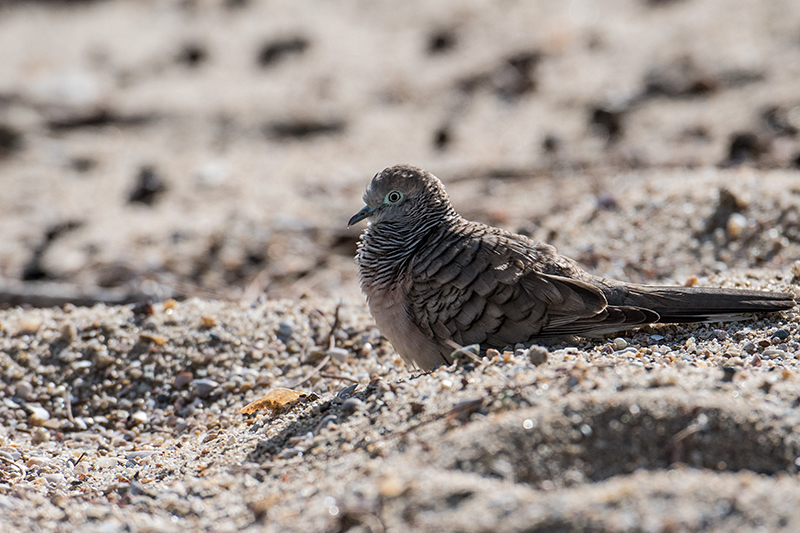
pixel 403 194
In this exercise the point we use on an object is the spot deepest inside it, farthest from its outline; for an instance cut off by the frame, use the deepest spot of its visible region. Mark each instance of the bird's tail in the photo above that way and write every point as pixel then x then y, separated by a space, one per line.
pixel 696 304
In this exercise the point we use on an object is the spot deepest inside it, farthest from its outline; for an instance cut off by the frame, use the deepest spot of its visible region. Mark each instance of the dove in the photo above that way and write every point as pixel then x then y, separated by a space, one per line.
pixel 434 280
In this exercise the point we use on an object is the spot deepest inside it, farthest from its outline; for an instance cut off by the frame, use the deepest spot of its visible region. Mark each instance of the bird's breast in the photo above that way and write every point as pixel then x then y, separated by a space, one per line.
pixel 389 308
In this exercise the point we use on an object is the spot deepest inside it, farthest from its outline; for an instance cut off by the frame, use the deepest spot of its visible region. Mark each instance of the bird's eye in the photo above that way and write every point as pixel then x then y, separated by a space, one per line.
pixel 393 197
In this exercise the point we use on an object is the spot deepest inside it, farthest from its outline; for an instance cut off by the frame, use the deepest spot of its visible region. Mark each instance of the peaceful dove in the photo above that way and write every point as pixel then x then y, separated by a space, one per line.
pixel 433 278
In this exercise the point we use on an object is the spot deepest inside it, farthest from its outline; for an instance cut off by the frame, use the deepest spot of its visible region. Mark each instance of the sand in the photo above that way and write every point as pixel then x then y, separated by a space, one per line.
pixel 207 155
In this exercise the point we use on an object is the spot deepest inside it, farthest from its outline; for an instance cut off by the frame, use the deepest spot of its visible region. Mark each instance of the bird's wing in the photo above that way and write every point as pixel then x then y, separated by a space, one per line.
pixel 499 289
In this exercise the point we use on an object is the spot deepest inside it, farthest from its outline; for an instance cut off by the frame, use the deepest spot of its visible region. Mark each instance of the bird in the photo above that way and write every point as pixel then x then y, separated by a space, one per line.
pixel 434 280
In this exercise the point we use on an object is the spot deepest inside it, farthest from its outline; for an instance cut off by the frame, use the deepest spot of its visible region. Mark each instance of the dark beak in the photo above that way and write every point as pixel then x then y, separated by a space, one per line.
pixel 361 215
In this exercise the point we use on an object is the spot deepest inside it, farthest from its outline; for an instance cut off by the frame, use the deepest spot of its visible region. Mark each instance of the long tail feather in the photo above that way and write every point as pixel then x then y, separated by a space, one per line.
pixel 697 304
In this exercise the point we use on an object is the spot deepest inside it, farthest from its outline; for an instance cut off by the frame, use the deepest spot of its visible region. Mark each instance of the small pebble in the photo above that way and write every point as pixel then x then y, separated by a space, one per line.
pixel 204 387
pixel 10 456
pixel 103 359
pixel 40 435
pixel 781 334
pixel 140 417
pixel 365 350
pixel 538 355
pixel 39 415
pixel 735 225
pixel 350 406
pixel 24 390
pixel 620 343
pixel 29 326
pixel 107 462
pixel 417 407
pixel 291 452
pixel 391 486
pixel 727 373
pixel 182 379
pixel 340 354
pixel 37 462
pixel 54 479
pixel 749 347
pixel 68 333
pixel 284 331
pixel 774 353
pixel 139 455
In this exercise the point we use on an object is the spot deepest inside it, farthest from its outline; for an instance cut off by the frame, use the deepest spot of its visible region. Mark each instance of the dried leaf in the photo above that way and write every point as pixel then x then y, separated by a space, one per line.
pixel 276 400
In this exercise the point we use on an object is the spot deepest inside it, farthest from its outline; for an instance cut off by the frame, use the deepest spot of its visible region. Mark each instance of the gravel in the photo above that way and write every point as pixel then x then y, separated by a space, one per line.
pixel 129 443
pixel 645 142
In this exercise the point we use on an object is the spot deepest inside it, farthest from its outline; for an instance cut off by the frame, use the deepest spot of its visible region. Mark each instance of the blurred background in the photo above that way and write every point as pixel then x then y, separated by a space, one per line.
pixel 217 148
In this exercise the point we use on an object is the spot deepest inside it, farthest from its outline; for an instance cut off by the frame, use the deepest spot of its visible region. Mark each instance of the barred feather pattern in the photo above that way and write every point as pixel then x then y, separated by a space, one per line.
pixel 433 278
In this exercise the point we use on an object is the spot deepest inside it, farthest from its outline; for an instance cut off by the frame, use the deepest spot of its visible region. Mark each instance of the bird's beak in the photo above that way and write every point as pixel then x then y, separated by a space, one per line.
pixel 361 215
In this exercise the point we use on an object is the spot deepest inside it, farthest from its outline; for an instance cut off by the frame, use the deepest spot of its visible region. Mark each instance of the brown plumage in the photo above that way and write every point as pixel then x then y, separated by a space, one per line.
pixel 431 276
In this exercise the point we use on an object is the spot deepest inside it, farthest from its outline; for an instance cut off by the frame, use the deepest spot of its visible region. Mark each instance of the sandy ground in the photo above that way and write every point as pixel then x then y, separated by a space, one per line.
pixel 212 152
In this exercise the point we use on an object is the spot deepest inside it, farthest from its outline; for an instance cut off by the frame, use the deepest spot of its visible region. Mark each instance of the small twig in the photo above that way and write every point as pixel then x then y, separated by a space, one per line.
pixel 257 286
pixel 335 326
pixel 331 344
pixel 463 351
pixel 16 465
pixel 316 369
pixel 676 443
pixel 338 376
pixel 685 433
pixel 79 458
pixel 68 404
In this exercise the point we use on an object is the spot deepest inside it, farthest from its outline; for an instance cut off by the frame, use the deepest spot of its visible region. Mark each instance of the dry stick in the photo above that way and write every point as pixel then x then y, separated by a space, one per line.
pixel 257 286
pixel 675 444
pixel 316 369
pixel 68 404
pixel 335 326
pixel 331 343
pixel 15 465
pixel 339 376
pixel 462 350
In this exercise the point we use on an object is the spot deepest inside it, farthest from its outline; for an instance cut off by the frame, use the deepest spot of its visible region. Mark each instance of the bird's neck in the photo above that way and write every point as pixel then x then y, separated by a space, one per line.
pixel 386 248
